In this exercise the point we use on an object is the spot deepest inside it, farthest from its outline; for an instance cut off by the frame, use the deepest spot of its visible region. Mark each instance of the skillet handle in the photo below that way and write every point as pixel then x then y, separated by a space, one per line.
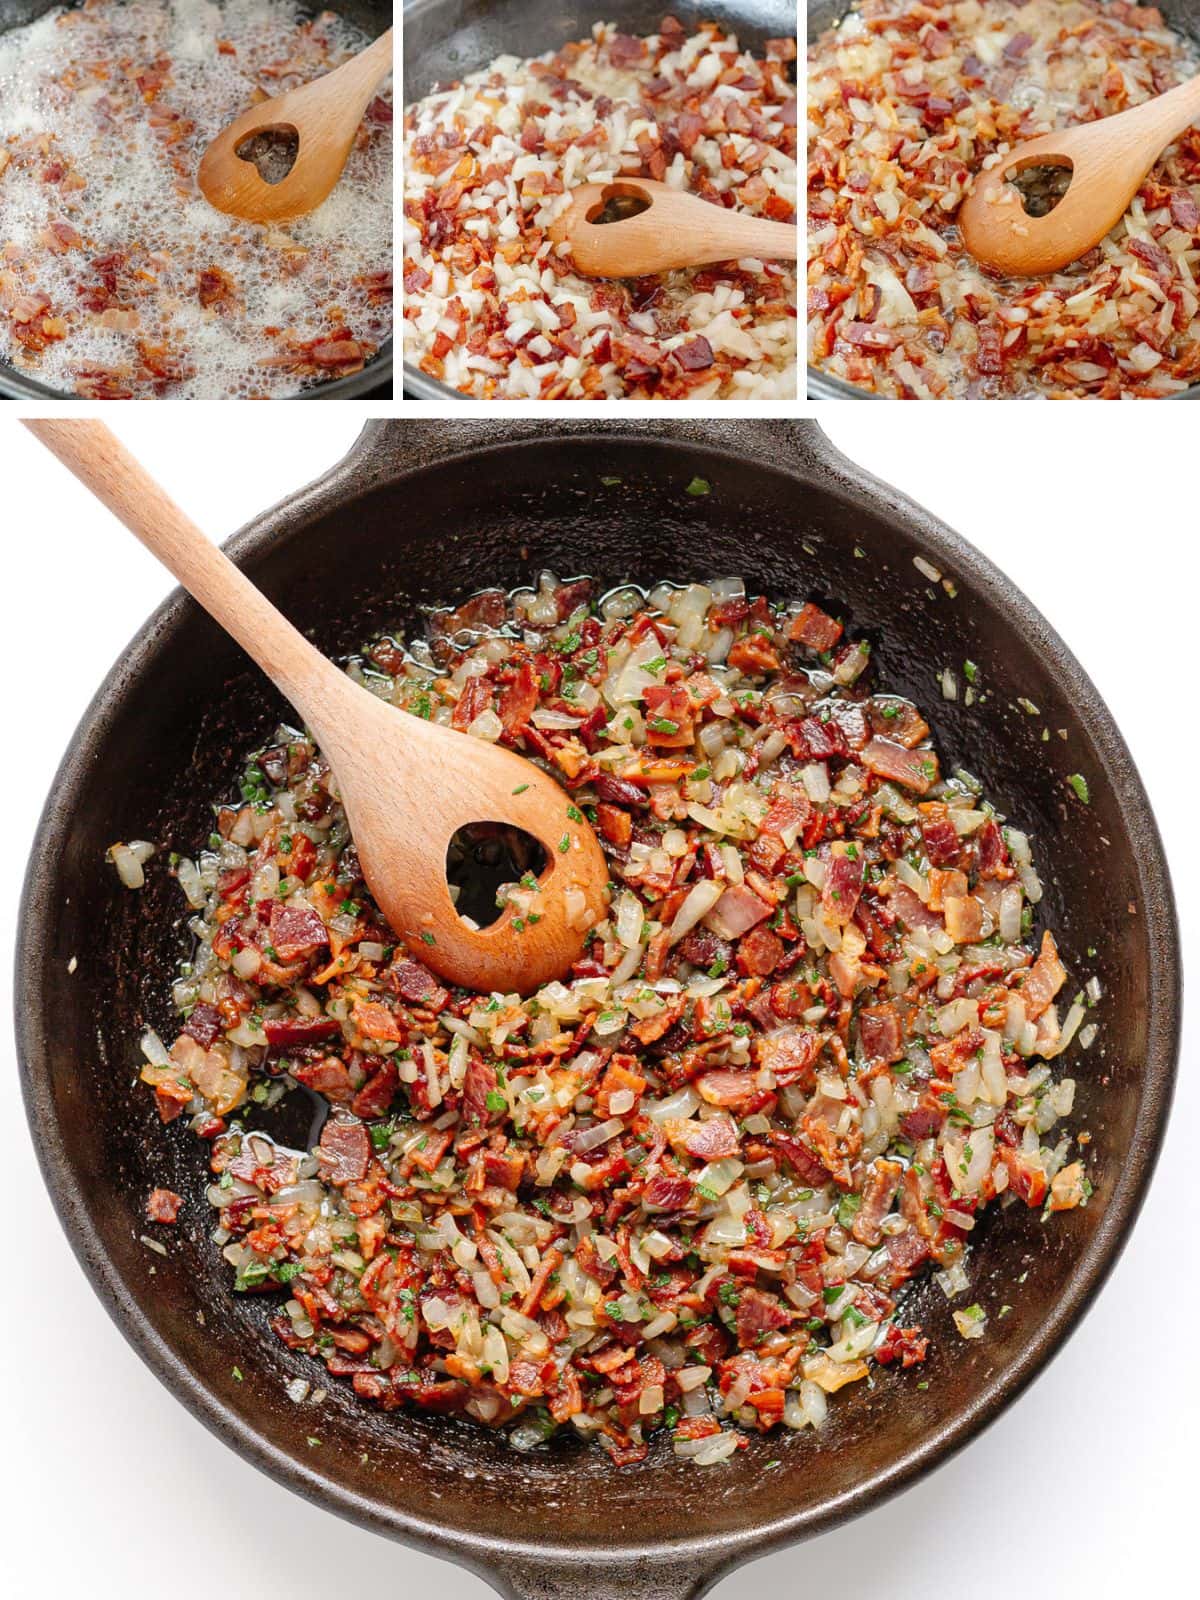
pixel 389 448
pixel 546 1577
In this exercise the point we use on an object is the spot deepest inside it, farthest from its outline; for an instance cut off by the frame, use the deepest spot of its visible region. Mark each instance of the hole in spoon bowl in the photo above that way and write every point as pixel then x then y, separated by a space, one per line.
pixel 482 859
pixel 272 150
pixel 1042 185
pixel 618 203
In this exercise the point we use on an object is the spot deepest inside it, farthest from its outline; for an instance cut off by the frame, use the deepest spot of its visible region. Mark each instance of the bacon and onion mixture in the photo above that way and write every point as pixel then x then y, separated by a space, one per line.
pixel 683 1188
pixel 117 279
pixel 493 309
pixel 908 99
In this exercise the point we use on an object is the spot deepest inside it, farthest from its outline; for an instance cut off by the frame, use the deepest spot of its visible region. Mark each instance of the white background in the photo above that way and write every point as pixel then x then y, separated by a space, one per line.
pixel 1087 1486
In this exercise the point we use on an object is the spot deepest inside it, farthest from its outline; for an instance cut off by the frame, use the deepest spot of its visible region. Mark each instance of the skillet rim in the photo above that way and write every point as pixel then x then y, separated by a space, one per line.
pixel 385 454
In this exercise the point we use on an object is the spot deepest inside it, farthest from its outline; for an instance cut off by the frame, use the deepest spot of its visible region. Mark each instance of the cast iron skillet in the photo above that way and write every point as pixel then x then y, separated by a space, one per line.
pixel 1183 15
pixel 419 513
pixel 446 39
pixel 372 16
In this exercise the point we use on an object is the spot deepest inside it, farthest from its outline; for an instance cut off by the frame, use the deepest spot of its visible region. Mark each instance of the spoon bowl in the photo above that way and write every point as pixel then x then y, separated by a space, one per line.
pixel 323 115
pixel 407 785
pixel 1109 161
pixel 671 230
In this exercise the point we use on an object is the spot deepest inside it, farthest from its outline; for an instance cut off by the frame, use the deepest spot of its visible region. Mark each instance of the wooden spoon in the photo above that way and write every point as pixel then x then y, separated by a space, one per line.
pixel 325 114
pixel 1109 159
pixel 407 785
pixel 674 230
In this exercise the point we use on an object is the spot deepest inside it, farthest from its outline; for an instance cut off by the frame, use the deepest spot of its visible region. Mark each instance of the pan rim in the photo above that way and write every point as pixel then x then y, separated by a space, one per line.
pixel 705 1556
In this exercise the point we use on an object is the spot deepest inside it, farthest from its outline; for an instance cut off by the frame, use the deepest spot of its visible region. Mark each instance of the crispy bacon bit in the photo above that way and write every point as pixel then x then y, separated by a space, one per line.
pixel 880 1034
pixel 879 1191
pixel 694 356
pixel 296 932
pixel 915 769
pixel 789 1054
pixel 759 953
pixel 416 984
pixel 843 885
pixel 163 1205
pixel 1045 978
pixel 344 1152
pixel 283 1033
pixel 759 1314
pixel 58 237
pixel 815 629
pixel 216 289
pixel 737 911
pixel 669 722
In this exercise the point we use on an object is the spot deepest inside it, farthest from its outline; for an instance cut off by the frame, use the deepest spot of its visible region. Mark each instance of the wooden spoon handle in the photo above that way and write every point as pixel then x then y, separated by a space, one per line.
pixel 99 460
pixel 363 72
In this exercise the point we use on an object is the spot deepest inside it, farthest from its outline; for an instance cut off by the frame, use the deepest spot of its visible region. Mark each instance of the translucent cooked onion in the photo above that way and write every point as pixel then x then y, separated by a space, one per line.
pixel 129 868
pixel 592 1138
pixel 701 899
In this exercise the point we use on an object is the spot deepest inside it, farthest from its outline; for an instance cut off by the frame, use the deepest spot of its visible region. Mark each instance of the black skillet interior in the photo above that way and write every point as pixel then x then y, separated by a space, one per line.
pixel 424 513
pixel 445 39
pixel 372 16
pixel 1184 15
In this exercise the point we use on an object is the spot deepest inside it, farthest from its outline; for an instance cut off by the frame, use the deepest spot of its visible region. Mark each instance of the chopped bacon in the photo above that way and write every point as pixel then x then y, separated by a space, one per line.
pixel 163 1205
pixel 1044 979
pixel 992 852
pixel 915 769
pixel 879 1191
pixel 283 1033
pixel 416 984
pixel 376 1021
pixel 344 1152
pixel 1026 1178
pixel 906 1252
pixel 694 356
pixel 880 1034
pixel 667 1194
pixel 789 1053
pixel 815 629
pixel 941 839
pixel 616 825
pixel 624 50
pixel 377 1094
pixel 738 1091
pixel 296 931
pixel 759 1314
pixel 753 653
pixel 206 1025
pixel 760 952
pixel 517 700
pixel 906 1345
pixel 216 289
pixel 669 719
pixel 843 885
pixel 737 911
pixel 711 1139
pixel 814 740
